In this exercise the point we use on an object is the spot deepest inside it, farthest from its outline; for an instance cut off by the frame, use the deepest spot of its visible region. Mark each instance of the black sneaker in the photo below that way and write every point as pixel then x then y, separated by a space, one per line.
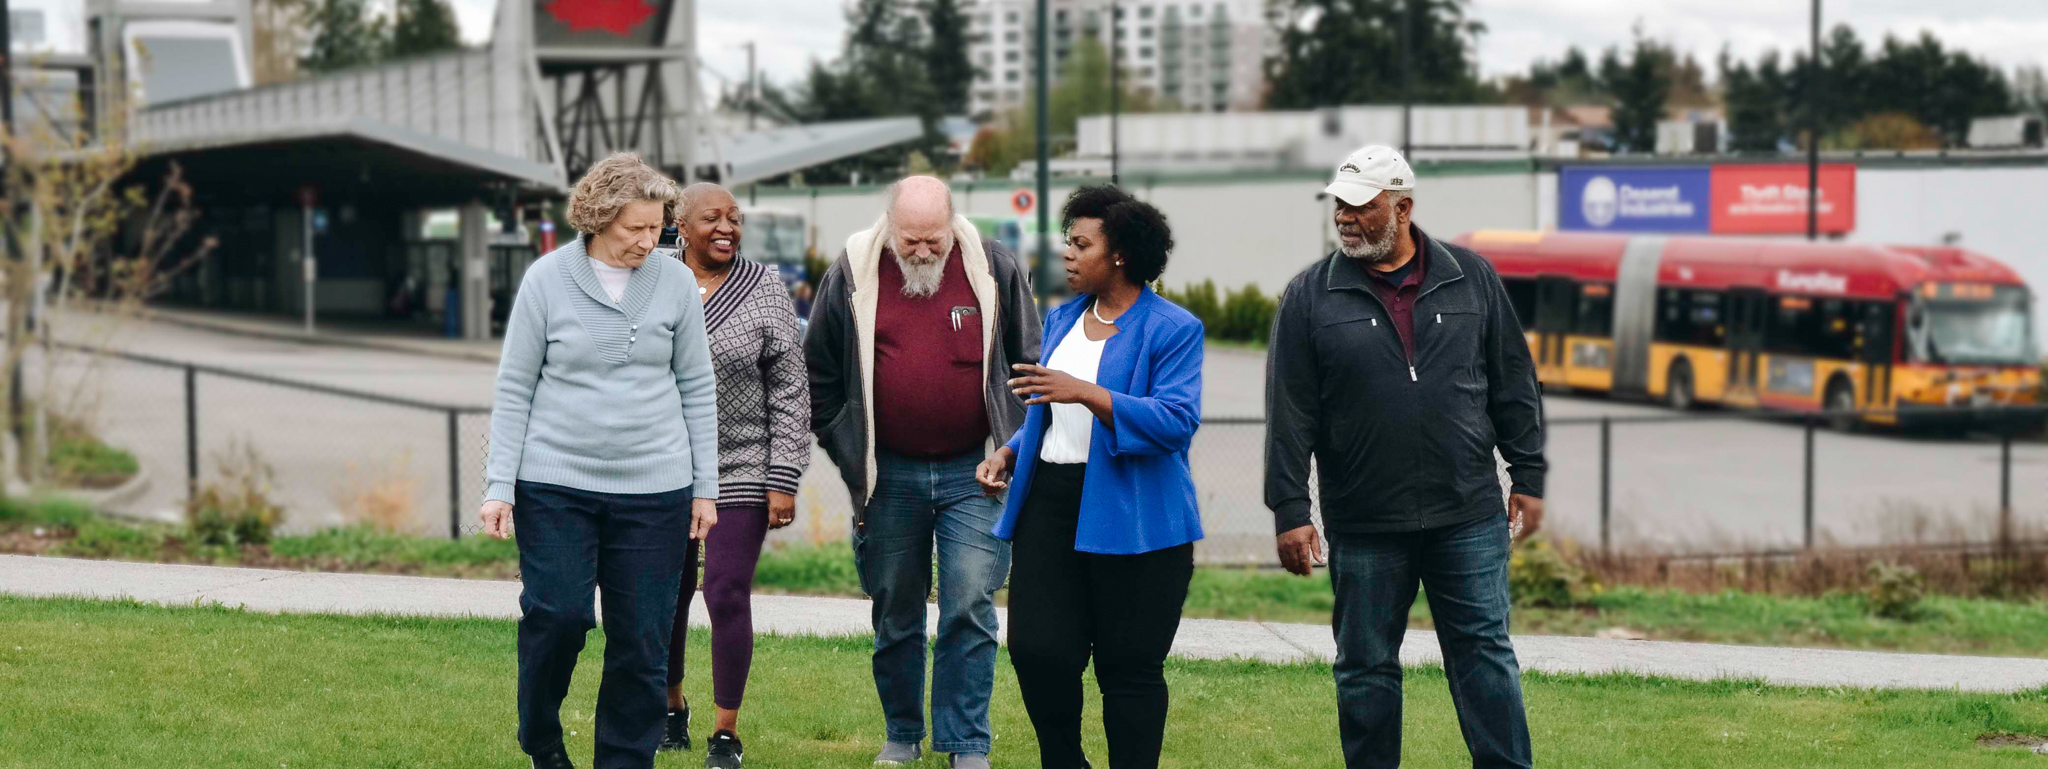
pixel 723 751
pixel 675 733
pixel 553 759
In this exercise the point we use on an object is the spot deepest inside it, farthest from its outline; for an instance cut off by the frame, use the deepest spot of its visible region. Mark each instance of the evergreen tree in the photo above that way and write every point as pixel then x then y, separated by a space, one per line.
pixel 424 27
pixel 346 36
pixel 1640 90
pixel 946 63
pixel 1335 52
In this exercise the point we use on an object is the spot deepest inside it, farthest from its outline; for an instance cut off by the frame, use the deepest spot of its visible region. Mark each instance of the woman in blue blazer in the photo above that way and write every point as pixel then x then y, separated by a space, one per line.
pixel 1103 519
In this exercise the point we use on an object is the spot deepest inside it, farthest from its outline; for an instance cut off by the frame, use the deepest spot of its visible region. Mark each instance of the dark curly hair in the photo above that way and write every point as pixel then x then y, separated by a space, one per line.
pixel 1132 227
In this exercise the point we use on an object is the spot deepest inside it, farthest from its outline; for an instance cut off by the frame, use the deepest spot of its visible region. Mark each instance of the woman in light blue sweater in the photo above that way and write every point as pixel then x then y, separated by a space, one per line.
pixel 604 457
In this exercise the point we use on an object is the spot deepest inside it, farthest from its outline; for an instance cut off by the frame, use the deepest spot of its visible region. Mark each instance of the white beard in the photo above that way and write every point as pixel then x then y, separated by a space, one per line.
pixel 1375 251
pixel 921 280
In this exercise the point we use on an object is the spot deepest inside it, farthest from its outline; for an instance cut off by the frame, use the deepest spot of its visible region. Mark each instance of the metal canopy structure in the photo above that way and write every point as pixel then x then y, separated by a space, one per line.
pixel 751 157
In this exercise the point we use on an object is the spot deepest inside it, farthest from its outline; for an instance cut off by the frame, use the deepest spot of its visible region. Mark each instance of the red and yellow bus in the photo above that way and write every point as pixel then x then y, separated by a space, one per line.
pixel 1787 325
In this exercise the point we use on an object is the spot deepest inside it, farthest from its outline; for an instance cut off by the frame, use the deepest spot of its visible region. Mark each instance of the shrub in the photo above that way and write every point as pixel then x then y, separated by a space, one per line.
pixel 1895 591
pixel 1199 299
pixel 382 496
pixel 1540 575
pixel 78 458
pixel 1241 315
pixel 235 509
pixel 1248 315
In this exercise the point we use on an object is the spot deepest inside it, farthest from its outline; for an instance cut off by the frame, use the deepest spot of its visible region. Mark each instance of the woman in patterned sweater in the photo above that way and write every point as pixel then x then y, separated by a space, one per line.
pixel 764 444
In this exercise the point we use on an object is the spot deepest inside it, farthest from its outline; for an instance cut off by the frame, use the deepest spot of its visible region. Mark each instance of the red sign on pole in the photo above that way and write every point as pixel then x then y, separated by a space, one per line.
pixel 1759 199
pixel 1024 202
pixel 308 196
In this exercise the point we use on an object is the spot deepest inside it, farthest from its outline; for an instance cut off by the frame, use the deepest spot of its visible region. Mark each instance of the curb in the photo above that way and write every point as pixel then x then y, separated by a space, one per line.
pixel 299 337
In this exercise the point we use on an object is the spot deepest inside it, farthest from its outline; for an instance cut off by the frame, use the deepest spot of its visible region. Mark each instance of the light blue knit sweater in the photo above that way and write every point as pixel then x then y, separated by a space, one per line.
pixel 600 396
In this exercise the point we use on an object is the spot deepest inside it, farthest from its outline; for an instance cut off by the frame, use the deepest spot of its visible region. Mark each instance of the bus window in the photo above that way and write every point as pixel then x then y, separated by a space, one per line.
pixel 1689 317
pixel 1824 328
pixel 1596 310
pixel 1522 294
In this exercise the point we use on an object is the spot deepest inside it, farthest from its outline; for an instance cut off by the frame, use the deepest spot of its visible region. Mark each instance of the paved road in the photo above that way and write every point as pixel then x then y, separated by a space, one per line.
pixel 1705 485
pixel 301 592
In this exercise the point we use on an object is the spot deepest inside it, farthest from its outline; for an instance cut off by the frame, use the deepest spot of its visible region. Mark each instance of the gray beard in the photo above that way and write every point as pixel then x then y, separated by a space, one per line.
pixel 921 280
pixel 1373 251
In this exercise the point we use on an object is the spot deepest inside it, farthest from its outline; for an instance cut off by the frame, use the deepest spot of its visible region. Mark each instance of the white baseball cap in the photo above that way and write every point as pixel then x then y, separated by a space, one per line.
pixel 1361 177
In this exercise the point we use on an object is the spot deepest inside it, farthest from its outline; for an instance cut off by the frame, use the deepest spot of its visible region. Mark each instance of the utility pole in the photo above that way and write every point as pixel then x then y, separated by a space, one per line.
pixel 1813 92
pixel 1407 76
pixel 1116 91
pixel 1044 37
pixel 753 86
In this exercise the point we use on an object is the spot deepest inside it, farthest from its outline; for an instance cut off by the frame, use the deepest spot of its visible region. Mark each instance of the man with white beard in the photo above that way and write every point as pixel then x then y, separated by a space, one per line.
pixel 1398 366
pixel 912 336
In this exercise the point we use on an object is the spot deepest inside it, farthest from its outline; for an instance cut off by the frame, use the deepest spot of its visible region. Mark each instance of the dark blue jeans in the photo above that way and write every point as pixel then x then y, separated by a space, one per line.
pixel 1464 568
pixel 920 505
pixel 630 548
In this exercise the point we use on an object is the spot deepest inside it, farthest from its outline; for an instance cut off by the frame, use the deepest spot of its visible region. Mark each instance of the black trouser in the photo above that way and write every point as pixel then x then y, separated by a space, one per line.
pixel 630 547
pixel 1065 603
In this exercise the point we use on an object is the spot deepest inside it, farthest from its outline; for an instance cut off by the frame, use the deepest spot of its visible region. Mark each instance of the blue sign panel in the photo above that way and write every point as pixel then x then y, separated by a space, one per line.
pixel 1613 199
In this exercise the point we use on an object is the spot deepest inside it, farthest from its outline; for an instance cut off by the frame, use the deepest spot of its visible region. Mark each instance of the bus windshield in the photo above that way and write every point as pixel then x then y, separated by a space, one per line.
pixel 1996 331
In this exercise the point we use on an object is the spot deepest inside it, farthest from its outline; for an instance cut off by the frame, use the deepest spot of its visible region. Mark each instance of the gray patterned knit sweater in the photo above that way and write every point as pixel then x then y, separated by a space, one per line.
pixel 764 396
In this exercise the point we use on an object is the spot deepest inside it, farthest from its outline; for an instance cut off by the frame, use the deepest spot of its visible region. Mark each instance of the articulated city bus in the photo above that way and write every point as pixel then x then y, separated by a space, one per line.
pixel 1787 325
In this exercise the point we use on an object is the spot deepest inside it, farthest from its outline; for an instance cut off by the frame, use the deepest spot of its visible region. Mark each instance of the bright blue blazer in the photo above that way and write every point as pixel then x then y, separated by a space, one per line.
pixel 1138 496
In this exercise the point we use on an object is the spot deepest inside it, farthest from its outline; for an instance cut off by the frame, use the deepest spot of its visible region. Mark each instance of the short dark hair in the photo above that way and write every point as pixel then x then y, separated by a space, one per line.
pixel 1132 228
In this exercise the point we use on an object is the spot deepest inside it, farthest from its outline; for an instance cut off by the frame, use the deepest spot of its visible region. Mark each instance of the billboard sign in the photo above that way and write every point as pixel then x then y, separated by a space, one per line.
pixel 1617 199
pixel 1734 199
pixel 1756 199
pixel 600 23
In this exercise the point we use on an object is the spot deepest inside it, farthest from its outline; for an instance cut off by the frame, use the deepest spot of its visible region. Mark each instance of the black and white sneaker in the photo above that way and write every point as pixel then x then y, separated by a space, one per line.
pixel 723 751
pixel 675 732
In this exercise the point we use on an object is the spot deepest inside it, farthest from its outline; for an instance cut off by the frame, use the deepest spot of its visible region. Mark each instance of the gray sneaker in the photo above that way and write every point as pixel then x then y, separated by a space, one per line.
pixel 970 761
pixel 900 753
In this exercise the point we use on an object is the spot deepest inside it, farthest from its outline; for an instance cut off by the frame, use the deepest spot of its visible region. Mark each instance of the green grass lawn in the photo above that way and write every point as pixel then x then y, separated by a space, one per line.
pixel 93 684
pixel 1946 624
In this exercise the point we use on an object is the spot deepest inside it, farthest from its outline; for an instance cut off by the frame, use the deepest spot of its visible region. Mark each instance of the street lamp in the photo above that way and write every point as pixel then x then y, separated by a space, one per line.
pixel 1813 92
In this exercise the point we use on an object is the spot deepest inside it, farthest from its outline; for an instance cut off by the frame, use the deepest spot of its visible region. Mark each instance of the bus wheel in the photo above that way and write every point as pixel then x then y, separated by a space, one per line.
pixel 1678 392
pixel 1841 406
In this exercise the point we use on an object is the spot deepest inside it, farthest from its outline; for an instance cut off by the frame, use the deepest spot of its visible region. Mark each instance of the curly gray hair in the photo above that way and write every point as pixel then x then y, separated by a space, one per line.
pixel 608 187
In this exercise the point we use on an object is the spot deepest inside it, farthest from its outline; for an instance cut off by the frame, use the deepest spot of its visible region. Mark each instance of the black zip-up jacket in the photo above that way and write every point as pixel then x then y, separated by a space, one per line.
pixel 1399 444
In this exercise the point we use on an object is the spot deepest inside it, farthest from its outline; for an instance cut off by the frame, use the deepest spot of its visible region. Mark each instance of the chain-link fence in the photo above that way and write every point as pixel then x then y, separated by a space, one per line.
pixel 327 456
pixel 1713 482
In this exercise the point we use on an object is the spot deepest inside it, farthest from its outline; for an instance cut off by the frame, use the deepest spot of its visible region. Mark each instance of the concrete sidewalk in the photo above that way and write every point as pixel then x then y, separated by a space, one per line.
pixel 287 591
pixel 388 337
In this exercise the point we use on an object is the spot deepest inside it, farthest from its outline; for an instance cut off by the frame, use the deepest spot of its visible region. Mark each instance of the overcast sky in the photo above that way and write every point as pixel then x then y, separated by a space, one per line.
pixel 2008 32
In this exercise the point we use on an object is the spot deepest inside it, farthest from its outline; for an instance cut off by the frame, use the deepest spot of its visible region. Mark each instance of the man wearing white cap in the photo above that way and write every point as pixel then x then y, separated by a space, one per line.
pixel 1398 365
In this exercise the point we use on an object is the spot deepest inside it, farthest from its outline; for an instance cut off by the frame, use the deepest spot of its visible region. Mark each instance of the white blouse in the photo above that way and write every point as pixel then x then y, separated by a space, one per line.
pixel 1066 442
pixel 613 279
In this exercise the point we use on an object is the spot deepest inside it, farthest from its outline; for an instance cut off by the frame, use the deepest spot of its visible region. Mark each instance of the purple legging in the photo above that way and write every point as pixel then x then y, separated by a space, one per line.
pixel 730 555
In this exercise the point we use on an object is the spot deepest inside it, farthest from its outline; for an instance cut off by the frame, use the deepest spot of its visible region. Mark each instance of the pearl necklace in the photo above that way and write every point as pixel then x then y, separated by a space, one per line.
pixel 1094 308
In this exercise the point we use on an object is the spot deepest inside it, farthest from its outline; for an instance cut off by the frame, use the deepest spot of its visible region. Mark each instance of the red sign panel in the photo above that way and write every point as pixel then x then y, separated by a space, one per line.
pixel 1023 202
pixel 1759 199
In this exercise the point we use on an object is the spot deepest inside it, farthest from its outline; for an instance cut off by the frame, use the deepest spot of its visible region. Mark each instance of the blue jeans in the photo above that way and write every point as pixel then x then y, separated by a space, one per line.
pixel 628 548
pixel 1464 567
pixel 917 502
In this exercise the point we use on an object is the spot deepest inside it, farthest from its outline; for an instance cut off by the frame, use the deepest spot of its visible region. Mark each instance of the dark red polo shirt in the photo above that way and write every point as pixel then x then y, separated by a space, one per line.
pixel 1398 290
pixel 928 380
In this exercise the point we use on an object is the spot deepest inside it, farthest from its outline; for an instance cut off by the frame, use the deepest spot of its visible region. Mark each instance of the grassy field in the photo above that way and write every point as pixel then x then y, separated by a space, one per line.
pixel 1843 620
pixel 90 684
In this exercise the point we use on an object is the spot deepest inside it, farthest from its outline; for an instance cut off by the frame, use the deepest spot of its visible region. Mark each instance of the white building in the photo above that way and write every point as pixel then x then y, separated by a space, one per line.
pixel 1206 55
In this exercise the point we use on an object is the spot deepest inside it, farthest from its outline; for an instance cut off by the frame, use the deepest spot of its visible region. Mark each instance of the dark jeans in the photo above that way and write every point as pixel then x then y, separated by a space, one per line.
pixel 919 505
pixel 630 548
pixel 730 553
pixel 1464 567
pixel 1066 604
